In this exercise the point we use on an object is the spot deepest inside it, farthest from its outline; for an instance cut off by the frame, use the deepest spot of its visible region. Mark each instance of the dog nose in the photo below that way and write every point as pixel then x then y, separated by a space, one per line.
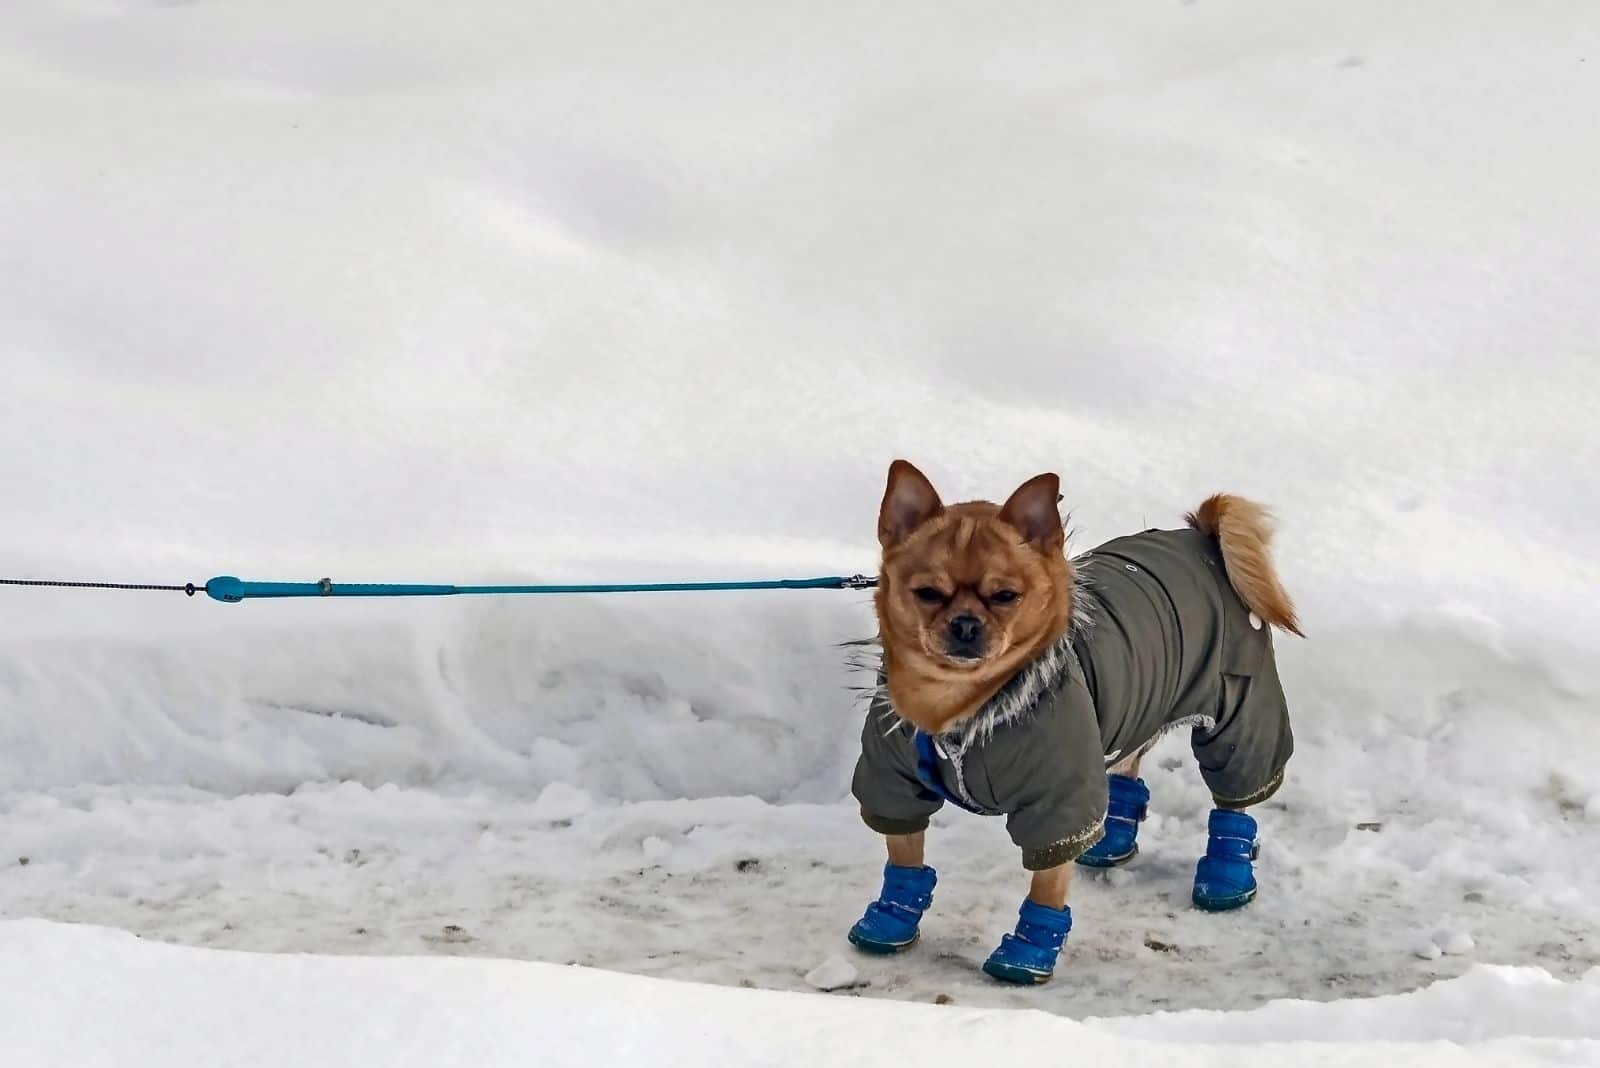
pixel 966 630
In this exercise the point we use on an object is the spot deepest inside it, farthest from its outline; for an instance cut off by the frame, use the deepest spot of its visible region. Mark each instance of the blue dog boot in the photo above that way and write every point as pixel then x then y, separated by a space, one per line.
pixel 1029 955
pixel 1127 808
pixel 1223 879
pixel 890 923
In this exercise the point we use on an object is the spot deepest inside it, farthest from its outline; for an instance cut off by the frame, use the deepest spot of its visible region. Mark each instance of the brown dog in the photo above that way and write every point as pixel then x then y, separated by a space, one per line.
pixel 1012 677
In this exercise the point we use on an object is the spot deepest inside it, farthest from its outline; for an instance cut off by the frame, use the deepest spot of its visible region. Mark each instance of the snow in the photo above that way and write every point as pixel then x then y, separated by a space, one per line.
pixel 156 1004
pixel 1442 942
pixel 1484 1004
pixel 835 973
pixel 387 292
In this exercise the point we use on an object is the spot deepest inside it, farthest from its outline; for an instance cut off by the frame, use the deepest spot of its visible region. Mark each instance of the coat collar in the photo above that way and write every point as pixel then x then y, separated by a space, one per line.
pixel 1021 694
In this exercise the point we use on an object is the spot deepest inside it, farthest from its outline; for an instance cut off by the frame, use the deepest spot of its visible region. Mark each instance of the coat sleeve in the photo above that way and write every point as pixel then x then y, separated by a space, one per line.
pixel 1054 781
pixel 893 800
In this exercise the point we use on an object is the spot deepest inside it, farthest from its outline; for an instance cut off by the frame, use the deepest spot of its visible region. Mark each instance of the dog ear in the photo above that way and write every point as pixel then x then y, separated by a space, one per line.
pixel 1032 509
pixel 909 500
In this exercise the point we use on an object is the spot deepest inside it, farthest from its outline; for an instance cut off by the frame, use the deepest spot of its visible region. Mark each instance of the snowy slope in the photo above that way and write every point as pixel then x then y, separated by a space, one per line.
pixel 385 292
pixel 163 1005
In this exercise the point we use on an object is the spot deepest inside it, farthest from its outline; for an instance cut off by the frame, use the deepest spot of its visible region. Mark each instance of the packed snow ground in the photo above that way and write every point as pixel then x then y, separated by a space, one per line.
pixel 161 1005
pixel 515 291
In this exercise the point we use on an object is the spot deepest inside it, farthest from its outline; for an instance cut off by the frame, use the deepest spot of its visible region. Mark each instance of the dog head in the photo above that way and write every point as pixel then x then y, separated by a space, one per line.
pixel 967 593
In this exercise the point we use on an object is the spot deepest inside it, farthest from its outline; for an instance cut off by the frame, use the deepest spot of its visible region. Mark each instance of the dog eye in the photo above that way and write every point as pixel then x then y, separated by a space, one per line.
pixel 1002 596
pixel 928 595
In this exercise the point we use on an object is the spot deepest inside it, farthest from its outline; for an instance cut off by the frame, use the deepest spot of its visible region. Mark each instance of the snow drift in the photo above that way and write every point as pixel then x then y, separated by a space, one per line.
pixel 163 1005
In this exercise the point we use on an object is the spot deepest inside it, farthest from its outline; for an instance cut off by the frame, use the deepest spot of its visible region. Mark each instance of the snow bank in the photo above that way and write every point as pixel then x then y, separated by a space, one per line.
pixel 629 699
pixel 511 295
pixel 1485 1004
pixel 84 997
pixel 635 699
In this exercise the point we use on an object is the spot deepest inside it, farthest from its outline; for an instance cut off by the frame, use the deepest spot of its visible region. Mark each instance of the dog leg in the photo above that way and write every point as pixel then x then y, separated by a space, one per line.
pixel 1128 802
pixel 906 850
pixel 890 923
pixel 1028 955
pixel 1050 887
pixel 1224 879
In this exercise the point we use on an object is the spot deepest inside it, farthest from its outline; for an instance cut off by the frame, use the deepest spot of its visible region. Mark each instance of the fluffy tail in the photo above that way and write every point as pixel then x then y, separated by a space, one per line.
pixel 1244 529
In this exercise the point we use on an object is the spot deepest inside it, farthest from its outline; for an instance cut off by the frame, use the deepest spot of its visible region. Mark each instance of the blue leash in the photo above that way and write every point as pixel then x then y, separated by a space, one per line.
pixel 232 590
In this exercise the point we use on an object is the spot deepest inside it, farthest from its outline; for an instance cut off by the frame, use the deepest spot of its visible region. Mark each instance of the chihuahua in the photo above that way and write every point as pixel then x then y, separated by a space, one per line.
pixel 1018 682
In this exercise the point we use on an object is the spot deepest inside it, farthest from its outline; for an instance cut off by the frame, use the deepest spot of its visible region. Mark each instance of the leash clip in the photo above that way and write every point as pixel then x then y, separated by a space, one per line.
pixel 325 587
pixel 858 582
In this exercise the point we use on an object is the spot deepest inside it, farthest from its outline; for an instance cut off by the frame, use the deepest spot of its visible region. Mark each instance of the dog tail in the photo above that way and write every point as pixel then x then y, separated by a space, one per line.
pixel 1244 530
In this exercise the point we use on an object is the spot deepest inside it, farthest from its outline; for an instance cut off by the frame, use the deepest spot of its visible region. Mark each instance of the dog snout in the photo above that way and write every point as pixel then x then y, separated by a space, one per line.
pixel 966 629
pixel 965 637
